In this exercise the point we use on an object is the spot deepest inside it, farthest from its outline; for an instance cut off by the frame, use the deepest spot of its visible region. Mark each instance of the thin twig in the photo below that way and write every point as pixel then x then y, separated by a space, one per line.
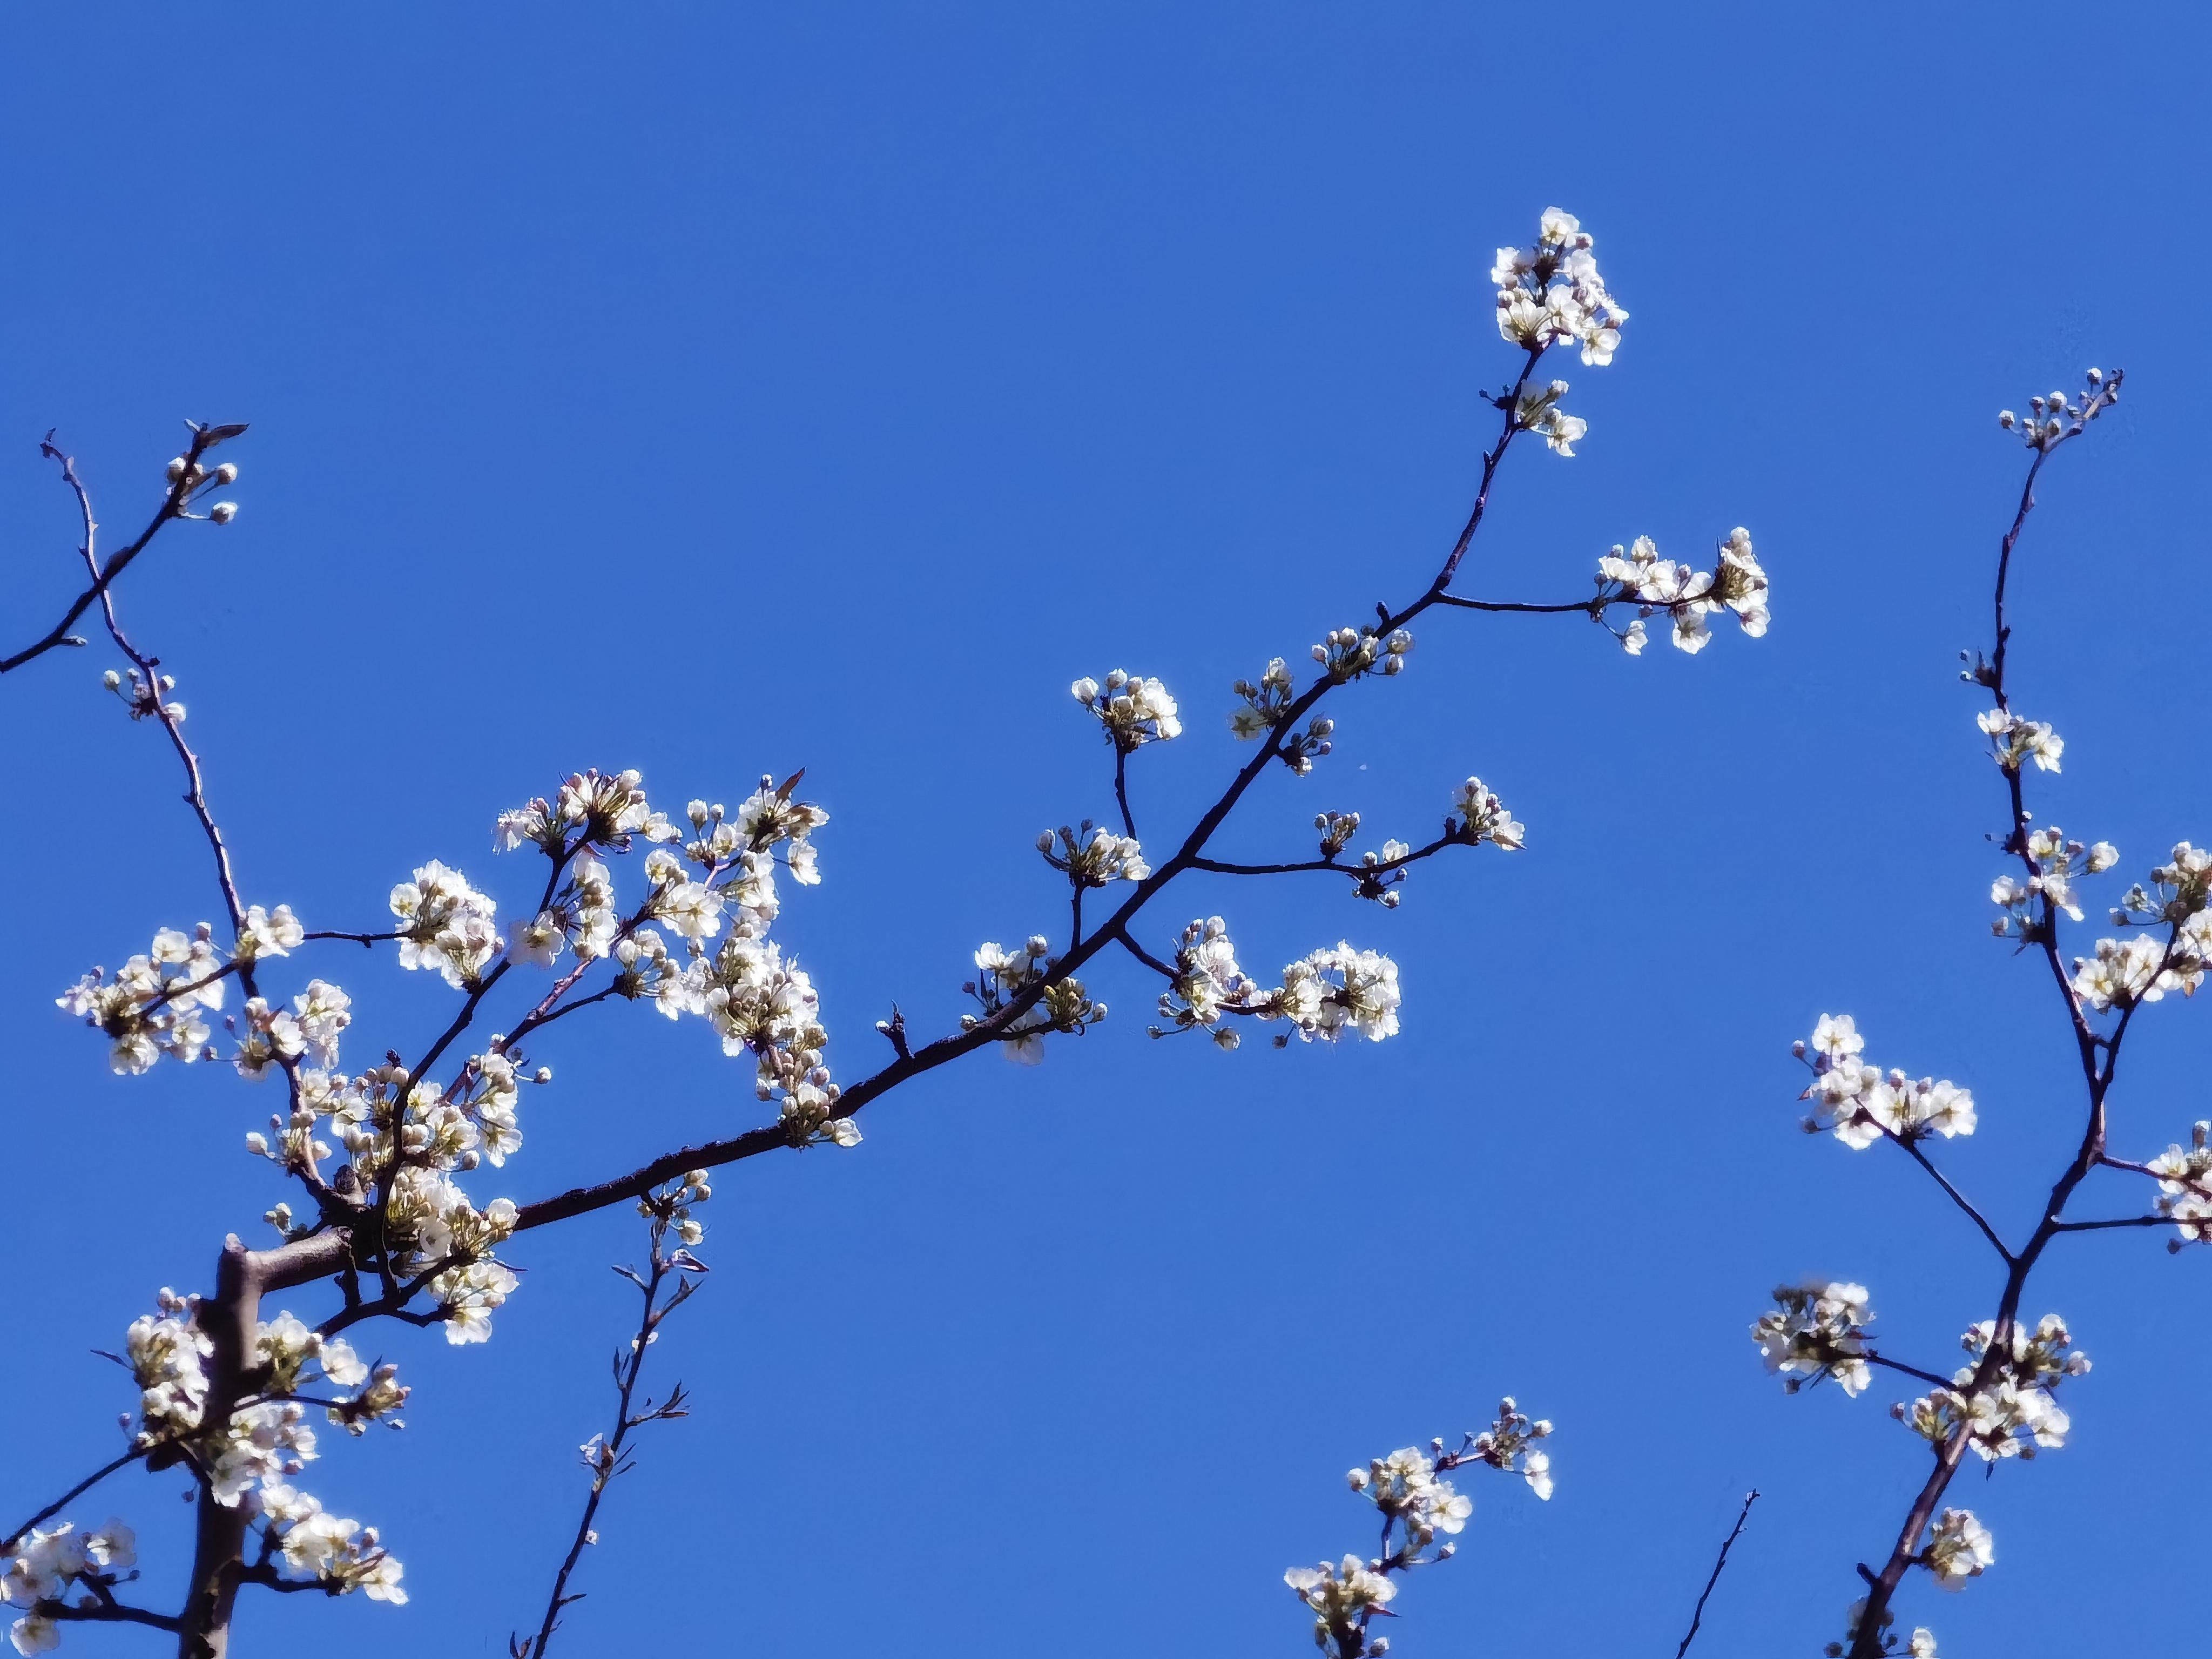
pixel 71 1496
pixel 1698 1615
pixel 611 1457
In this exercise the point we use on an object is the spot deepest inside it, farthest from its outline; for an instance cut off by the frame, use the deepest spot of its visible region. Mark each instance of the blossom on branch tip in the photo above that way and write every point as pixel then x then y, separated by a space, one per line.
pixel 1134 710
pixel 2184 1183
pixel 444 924
pixel 1480 817
pixel 1092 857
pixel 1636 574
pixel 1816 1330
pixel 1417 1502
pixel 1959 1548
pixel 2055 416
pixel 1349 653
pixel 1554 292
pixel 1333 992
pixel 1861 1103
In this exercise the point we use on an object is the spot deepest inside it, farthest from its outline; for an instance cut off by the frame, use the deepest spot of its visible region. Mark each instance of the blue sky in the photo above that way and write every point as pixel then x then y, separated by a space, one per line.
pixel 713 392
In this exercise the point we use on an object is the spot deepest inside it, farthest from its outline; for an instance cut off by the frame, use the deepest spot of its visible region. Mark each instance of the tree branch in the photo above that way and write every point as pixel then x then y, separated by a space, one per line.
pixel 610 1459
pixel 173 507
pixel 1698 1613
pixel 71 1496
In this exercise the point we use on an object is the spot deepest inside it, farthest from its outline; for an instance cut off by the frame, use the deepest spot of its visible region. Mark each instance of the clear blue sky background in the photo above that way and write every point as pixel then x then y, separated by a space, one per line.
pixel 713 391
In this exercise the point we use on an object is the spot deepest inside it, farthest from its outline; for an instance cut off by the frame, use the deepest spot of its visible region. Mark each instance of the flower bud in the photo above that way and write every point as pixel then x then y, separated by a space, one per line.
pixel 223 511
pixel 175 470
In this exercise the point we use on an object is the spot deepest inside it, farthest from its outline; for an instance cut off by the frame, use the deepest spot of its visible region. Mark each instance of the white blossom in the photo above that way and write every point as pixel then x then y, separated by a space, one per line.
pixel 1685 596
pixel 444 924
pixel 1554 292
pixel 1816 1330
pixel 1959 1548
pixel 1133 709
pixel 1861 1103
pixel 2014 740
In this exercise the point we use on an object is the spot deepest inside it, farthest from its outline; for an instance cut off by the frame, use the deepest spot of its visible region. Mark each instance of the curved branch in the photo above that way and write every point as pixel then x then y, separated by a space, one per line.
pixel 103 577
pixel 71 1496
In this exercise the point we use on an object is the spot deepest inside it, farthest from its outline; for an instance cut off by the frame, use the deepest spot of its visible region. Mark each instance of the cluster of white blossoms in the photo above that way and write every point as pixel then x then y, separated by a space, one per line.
pixel 1263 707
pixel 1861 1103
pixel 2051 415
pixel 1348 652
pixel 1508 1445
pixel 2013 740
pixel 2057 862
pixel 444 924
pixel 1636 574
pixel 1816 1330
pixel 1092 857
pixel 1002 975
pixel 2143 968
pixel 1266 704
pixel 2184 1185
pixel 1208 984
pixel 247 1460
pixel 1335 992
pixel 1959 1548
pixel 281 1037
pixel 1328 995
pixel 315 1545
pixel 1539 412
pixel 1417 1502
pixel 189 482
pixel 167 1356
pixel 590 809
pixel 1133 710
pixel 1553 292
pixel 758 1000
pixel 1343 1595
pixel 2126 971
pixel 153 1006
pixel 2013 1413
pixel 1379 875
pixel 1479 816
pixel 144 699
pixel 43 1566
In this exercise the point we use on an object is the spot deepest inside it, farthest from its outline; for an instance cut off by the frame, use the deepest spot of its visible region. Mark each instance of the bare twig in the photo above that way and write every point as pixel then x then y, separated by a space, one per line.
pixel 1698 1614
pixel 607 1455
